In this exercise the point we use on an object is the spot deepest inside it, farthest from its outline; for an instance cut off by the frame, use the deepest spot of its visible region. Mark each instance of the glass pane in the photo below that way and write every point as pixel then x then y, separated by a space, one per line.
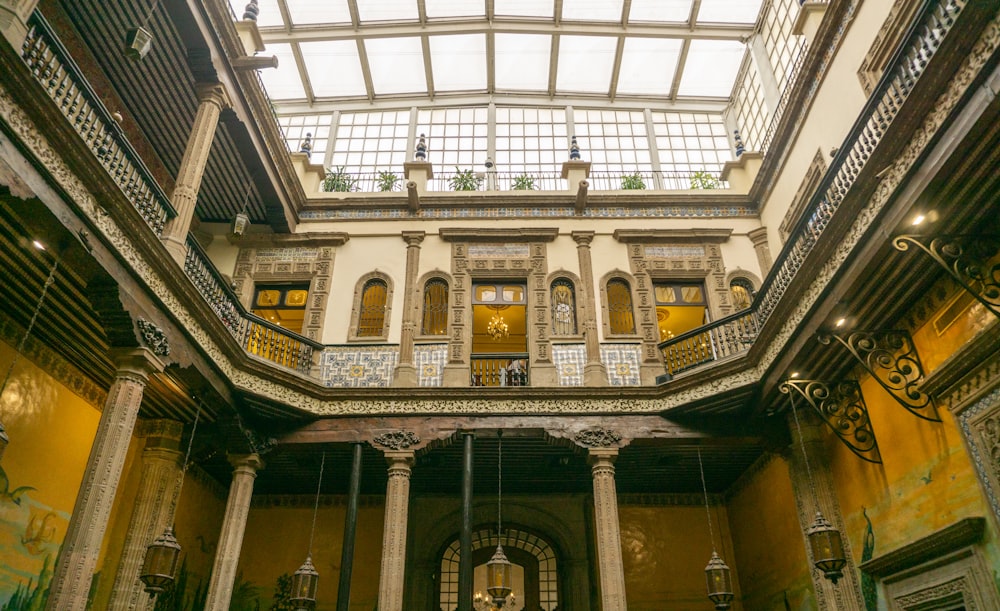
pixel 729 11
pixel 387 10
pixel 397 64
pixel 513 294
pixel 589 10
pixel 318 11
pixel 486 293
pixel 523 8
pixel 711 68
pixel 269 14
pixel 664 294
pixel 435 308
pixel 648 65
pixel 296 298
pixel 346 79
pixel 522 61
pixel 268 298
pixel 372 315
pixel 692 294
pixel 620 317
pixel 455 8
pixel 283 82
pixel 459 62
pixel 660 10
pixel 585 63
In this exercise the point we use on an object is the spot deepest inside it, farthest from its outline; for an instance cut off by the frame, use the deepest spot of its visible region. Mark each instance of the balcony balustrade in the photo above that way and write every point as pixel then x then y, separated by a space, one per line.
pixel 499 369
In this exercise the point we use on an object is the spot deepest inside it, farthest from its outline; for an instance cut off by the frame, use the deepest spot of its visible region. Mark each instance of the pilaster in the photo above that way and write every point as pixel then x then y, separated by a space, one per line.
pixel 594 372
pixel 212 99
pixel 406 373
pixel 227 555
pixel 82 545
pixel 152 511
pixel 397 500
pixel 760 245
pixel 608 533
pixel 817 494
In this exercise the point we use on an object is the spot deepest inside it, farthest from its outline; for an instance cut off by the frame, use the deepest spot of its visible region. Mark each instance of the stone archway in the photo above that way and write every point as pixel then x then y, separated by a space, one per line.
pixel 537 577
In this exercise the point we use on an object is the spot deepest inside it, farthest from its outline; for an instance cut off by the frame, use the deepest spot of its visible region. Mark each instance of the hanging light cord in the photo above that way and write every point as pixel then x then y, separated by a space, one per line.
pixel 319 485
pixel 187 459
pixel 704 489
pixel 499 477
pixel 802 445
pixel 24 338
pixel 149 15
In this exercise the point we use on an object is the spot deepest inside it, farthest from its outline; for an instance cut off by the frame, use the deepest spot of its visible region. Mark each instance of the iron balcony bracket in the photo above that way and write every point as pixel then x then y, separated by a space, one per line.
pixel 842 406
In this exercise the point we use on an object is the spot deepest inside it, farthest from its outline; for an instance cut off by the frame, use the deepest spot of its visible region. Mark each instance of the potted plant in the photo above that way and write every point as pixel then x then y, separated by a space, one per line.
pixel 464 180
pixel 386 181
pixel 633 182
pixel 703 180
pixel 524 182
pixel 339 181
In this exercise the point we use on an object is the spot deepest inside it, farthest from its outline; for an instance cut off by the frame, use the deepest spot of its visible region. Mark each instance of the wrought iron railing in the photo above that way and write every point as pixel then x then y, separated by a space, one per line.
pixel 503 369
pixel 736 333
pixel 254 334
pixel 650 180
pixel 54 68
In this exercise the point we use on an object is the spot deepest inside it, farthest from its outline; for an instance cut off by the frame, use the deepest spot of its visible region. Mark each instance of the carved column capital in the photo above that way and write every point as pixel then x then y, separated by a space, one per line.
pixel 246 463
pixel 583 238
pixel 213 93
pixel 395 441
pixel 413 239
pixel 598 438
pixel 136 362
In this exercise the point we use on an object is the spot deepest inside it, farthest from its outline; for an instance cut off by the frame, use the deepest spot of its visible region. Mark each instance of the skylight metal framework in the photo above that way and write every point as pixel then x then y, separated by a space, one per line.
pixel 678 55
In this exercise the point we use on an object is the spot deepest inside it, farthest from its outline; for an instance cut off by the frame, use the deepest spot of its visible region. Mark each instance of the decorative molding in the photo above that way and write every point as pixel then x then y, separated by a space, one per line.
pixel 967 531
pixel 598 438
pixel 306 501
pixel 291 240
pixel 153 337
pixel 672 236
pixel 498 235
pixel 980 426
pixel 740 208
pixel 396 440
pixel 972 369
pixel 807 188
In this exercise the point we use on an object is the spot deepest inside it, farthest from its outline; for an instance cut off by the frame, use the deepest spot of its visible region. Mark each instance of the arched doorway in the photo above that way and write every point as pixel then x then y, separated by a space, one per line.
pixel 536 580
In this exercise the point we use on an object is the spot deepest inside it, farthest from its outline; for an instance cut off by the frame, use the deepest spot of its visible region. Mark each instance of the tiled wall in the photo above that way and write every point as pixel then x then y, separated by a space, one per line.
pixel 569 360
pixel 622 363
pixel 429 360
pixel 358 367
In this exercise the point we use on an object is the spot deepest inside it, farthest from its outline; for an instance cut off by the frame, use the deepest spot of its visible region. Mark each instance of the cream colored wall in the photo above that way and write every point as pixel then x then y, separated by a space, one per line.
pixel 384 252
pixel 562 255
pixel 738 254
pixel 838 101
pixel 222 253
pixel 435 254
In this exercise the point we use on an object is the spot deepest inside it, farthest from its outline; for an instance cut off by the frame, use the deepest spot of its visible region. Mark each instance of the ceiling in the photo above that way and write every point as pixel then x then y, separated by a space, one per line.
pixel 335 54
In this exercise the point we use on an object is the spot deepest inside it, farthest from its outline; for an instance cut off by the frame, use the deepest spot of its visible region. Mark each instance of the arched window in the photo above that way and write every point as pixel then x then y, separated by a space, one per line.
pixel 563 307
pixel 621 319
pixel 435 320
pixel 371 316
pixel 742 292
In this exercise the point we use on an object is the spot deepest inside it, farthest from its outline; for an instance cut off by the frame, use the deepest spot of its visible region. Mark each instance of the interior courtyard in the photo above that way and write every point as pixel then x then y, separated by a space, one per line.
pixel 535 305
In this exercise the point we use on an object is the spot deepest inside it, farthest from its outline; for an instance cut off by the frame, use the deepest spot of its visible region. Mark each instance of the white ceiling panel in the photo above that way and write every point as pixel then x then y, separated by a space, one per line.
pixel 334 68
pixel 522 62
pixel 711 68
pixel 585 63
pixel 386 10
pixel 729 11
pixel 283 82
pixel 592 10
pixel 459 62
pixel 397 65
pixel 305 12
pixel 648 65
pixel 660 10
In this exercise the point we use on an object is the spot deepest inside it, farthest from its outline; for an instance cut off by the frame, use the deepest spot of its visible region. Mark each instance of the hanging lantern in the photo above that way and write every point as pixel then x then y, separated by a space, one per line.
pixel 827 548
pixel 498 577
pixel 240 224
pixel 160 563
pixel 138 42
pixel 304 584
pixel 720 582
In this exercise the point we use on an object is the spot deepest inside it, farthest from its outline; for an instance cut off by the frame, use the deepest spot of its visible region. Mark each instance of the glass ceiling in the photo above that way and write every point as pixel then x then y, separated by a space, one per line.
pixel 349 54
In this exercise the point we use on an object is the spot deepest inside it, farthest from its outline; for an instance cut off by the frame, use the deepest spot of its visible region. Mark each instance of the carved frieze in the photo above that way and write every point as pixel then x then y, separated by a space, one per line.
pixel 598 438
pixel 154 338
pixel 396 440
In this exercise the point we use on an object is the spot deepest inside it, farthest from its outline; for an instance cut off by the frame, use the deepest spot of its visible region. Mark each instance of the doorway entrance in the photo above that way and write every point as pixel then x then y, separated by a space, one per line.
pixel 499 335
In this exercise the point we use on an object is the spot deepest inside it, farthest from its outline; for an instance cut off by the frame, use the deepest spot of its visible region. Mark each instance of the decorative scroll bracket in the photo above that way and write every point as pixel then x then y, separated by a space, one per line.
pixel 842 406
pixel 966 259
pixel 892 359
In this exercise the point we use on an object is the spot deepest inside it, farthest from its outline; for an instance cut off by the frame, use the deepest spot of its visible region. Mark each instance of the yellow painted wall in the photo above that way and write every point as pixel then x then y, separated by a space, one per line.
pixel 665 550
pixel 51 431
pixel 768 544
pixel 277 541
pixel 926 480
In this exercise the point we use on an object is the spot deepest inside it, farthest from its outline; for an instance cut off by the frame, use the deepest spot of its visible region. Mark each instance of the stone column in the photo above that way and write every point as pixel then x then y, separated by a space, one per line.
pixel 227 554
pixel 397 500
pixel 212 98
pixel 406 373
pixel 759 238
pixel 819 494
pixel 608 534
pixel 152 511
pixel 13 20
pixel 82 545
pixel 594 372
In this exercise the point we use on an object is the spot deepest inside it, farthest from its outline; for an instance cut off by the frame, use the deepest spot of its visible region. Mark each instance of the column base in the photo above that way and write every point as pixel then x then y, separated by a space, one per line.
pixel 595 374
pixel 544 375
pixel 176 248
pixel 455 376
pixel 405 376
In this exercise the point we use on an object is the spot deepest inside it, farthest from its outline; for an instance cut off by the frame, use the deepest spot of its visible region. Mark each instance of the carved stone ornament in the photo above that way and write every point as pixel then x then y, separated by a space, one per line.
pixel 154 338
pixel 597 438
pixel 396 440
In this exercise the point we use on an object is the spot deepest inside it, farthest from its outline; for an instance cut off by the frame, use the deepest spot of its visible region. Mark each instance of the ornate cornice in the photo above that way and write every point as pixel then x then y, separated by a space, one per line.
pixel 965 532
pixel 457 234
pixel 598 438
pixel 396 440
pixel 290 240
pixel 672 236
pixel 973 369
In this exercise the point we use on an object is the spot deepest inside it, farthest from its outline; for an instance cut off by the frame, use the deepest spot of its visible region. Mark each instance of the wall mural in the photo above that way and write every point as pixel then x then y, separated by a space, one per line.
pixel 30 536
pixel 868 588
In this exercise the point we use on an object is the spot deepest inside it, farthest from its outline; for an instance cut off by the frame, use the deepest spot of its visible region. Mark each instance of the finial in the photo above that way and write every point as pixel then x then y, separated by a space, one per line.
pixel 306 146
pixel 421 152
pixel 251 11
pixel 574 149
pixel 739 142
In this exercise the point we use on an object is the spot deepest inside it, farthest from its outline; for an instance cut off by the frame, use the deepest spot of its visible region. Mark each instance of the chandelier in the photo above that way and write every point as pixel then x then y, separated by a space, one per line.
pixel 497 328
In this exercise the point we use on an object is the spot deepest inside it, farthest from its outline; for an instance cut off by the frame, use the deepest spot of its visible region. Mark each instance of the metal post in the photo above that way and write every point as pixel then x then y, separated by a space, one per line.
pixel 350 528
pixel 465 537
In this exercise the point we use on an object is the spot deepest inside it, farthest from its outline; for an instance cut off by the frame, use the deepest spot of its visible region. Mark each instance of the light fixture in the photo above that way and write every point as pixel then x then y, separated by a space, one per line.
pixel 824 540
pixel 498 569
pixel 139 40
pixel 497 328
pixel 795 374
pixel 306 579
pixel 4 439
pixel 841 321
pixel 919 219
pixel 242 220
pixel 718 577
pixel 160 563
